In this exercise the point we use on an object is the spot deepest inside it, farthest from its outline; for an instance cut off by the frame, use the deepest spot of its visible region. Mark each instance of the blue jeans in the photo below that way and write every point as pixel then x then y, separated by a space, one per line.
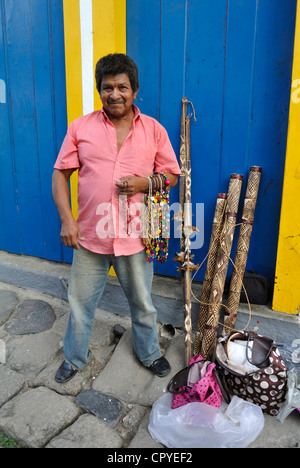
pixel 88 277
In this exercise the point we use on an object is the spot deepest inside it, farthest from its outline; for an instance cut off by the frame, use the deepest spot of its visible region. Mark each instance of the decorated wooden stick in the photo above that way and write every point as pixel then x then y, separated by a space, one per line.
pixel 185 257
pixel 217 226
pixel 218 283
pixel 242 250
pixel 187 250
pixel 183 155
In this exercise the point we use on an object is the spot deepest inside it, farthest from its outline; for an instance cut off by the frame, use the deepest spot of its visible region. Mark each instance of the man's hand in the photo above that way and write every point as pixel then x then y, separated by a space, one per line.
pixel 70 234
pixel 131 185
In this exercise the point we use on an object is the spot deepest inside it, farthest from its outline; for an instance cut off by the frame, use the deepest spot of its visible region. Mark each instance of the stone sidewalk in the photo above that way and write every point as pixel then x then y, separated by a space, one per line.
pixel 107 405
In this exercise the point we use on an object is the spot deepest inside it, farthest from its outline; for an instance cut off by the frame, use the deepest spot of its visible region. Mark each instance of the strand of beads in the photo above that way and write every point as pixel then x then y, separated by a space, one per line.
pixel 158 247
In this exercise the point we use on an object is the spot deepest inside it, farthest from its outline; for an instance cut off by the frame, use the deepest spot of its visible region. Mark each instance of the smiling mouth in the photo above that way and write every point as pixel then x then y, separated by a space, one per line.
pixel 115 103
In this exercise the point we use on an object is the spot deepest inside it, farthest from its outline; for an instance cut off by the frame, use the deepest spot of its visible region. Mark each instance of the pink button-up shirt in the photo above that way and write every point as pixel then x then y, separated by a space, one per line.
pixel 106 220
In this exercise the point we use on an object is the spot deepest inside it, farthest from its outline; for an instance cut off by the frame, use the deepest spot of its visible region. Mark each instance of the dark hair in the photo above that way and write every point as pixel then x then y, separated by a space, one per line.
pixel 113 64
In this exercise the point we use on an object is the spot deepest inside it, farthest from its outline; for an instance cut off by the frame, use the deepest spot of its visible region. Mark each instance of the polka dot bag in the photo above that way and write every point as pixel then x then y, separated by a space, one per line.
pixel 264 386
pixel 196 383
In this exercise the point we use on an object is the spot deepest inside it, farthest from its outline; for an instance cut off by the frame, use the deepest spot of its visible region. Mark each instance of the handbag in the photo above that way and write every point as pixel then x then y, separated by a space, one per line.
pixel 196 383
pixel 261 378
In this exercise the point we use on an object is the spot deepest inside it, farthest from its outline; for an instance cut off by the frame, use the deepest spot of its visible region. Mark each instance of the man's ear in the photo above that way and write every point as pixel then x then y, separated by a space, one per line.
pixel 135 94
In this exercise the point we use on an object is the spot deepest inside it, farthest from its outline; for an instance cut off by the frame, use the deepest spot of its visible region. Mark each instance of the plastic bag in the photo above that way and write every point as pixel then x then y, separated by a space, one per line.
pixel 197 425
pixel 290 353
pixel 292 398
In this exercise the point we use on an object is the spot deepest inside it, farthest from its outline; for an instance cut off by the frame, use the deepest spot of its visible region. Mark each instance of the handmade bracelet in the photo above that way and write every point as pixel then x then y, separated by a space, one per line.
pixel 154 181
pixel 160 181
pixel 165 180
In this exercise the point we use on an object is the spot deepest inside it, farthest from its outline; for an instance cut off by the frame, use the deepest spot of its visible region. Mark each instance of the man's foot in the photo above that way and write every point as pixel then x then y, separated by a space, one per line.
pixel 65 373
pixel 160 367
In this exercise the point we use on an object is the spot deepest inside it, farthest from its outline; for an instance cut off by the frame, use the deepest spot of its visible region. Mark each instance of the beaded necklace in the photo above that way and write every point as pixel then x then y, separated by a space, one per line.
pixel 157 223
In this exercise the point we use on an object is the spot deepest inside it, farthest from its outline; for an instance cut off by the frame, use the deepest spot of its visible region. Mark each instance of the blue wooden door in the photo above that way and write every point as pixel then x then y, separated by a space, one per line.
pixel 233 61
pixel 33 123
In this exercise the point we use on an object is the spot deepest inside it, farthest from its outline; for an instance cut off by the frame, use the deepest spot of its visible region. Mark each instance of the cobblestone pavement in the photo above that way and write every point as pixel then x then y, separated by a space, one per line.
pixel 106 405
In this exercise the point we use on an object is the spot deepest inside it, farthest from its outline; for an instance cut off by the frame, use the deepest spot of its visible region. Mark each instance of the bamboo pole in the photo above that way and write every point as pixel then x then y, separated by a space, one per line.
pixel 218 283
pixel 217 227
pixel 242 250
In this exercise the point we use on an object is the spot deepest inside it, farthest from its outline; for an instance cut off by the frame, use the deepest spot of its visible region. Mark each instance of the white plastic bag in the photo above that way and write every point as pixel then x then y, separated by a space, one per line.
pixel 292 398
pixel 197 425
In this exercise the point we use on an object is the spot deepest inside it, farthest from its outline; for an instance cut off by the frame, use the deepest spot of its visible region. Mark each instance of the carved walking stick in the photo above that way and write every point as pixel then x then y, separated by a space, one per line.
pixel 218 283
pixel 217 226
pixel 242 248
pixel 187 250
pixel 185 257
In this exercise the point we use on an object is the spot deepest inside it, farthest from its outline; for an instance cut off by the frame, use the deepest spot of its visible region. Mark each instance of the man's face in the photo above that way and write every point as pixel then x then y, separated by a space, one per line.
pixel 116 95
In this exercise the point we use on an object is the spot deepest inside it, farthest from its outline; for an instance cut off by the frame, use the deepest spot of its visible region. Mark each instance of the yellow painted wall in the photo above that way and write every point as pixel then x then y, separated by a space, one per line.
pixel 287 278
pixel 109 30
pixel 73 74
pixel 109 36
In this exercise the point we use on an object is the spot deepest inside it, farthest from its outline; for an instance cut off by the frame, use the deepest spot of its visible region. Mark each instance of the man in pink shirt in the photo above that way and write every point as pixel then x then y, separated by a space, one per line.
pixel 115 150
